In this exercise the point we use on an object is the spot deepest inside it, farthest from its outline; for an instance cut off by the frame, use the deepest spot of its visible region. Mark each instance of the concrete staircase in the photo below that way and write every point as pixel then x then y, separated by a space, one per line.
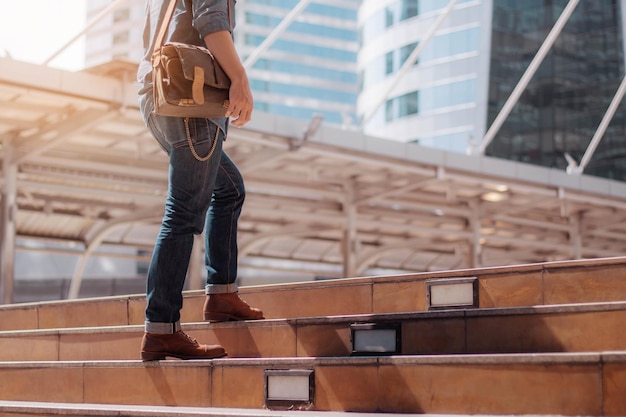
pixel 541 339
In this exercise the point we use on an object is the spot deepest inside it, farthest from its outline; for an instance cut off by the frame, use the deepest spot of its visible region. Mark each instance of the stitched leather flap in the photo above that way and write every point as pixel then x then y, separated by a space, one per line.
pixel 196 56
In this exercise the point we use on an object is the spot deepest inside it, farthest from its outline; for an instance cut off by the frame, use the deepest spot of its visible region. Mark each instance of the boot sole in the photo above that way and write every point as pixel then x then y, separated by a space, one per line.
pixel 220 317
pixel 149 356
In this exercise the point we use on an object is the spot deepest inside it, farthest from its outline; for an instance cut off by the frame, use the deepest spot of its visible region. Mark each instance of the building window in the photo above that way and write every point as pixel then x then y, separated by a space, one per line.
pixel 408 9
pixel 313 29
pixel 397 12
pixel 389 19
pixel 431 98
pixel 313 8
pixel 565 101
pixel 401 106
pixel 453 44
pixel 306 70
pixel 300 48
pixel 447 95
pixel 389 64
pixel 312 92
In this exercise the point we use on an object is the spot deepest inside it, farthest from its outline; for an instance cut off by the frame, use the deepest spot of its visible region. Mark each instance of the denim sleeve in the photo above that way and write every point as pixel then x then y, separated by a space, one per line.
pixel 212 16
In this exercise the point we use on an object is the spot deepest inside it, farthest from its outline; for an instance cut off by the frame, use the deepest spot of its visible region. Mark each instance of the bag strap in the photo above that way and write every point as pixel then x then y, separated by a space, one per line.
pixel 158 42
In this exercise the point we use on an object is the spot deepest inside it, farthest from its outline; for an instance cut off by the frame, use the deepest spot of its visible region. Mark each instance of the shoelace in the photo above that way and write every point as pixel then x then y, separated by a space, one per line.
pixel 191 339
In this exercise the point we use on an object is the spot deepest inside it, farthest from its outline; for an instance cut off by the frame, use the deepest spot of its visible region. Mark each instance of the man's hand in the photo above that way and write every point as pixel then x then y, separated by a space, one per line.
pixel 241 102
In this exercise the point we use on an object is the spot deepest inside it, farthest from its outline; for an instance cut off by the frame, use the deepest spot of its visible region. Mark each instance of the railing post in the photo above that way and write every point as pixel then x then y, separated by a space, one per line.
pixel 7 223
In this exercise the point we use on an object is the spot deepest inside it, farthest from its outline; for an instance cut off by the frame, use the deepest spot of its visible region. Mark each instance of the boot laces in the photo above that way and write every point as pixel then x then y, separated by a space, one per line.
pixel 189 338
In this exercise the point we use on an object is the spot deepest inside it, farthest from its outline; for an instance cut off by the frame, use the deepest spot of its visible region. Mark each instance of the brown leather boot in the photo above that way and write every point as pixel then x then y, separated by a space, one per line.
pixel 155 347
pixel 229 307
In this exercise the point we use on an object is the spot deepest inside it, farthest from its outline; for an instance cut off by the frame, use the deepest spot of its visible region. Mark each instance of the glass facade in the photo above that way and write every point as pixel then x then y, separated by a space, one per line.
pixel 446 45
pixel 435 101
pixel 431 98
pixel 565 101
pixel 311 68
pixel 397 12
pixel 336 57
pixel 304 48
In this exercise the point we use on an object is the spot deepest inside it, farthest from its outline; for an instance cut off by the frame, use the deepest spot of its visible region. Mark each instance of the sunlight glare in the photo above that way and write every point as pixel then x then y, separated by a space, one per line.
pixel 33 30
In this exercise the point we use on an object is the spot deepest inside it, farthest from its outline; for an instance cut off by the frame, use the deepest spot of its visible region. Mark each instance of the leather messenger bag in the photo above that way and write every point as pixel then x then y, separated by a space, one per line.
pixel 188 81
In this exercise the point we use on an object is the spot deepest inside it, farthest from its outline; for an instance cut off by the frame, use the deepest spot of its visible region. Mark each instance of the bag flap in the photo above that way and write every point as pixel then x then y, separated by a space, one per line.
pixel 191 56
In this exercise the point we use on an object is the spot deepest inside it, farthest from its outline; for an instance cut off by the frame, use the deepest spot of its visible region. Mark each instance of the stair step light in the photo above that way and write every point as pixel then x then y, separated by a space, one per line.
pixel 376 338
pixel 452 293
pixel 289 388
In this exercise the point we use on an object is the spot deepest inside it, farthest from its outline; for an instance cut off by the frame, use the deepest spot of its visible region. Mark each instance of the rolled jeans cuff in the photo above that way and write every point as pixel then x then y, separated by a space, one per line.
pixel 162 328
pixel 221 288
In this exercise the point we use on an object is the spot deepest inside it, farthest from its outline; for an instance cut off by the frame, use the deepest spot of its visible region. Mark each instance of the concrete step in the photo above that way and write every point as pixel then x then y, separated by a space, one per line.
pixel 40 409
pixel 561 328
pixel 568 384
pixel 549 283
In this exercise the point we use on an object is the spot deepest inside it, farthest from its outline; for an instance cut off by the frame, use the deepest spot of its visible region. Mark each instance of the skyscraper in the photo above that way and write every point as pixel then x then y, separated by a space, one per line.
pixel 346 60
pixel 309 70
pixel 118 35
pixel 473 59
pixel 564 103
pixel 439 101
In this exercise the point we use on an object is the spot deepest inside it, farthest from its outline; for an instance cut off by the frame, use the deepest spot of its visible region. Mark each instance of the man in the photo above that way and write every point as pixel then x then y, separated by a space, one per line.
pixel 205 188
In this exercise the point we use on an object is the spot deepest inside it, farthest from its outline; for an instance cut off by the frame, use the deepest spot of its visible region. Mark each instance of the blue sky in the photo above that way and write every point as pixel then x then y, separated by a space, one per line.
pixel 33 30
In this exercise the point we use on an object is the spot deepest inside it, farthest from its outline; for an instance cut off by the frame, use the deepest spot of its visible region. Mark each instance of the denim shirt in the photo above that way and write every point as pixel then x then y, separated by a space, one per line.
pixel 191 22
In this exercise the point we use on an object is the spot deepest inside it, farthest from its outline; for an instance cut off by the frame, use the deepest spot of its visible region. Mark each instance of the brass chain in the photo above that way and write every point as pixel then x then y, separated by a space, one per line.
pixel 193 150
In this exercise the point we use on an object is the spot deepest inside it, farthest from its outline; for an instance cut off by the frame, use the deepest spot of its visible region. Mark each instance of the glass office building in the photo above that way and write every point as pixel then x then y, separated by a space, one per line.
pixel 311 67
pixel 340 59
pixel 565 101
pixel 440 102
pixel 309 70
pixel 118 35
pixel 469 68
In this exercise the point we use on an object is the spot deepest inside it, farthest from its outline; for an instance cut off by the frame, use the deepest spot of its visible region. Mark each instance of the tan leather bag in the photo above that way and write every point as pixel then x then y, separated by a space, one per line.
pixel 188 81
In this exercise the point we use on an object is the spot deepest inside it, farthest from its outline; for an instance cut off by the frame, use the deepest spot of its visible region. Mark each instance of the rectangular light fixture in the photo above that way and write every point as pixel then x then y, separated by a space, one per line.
pixel 376 338
pixel 289 388
pixel 452 293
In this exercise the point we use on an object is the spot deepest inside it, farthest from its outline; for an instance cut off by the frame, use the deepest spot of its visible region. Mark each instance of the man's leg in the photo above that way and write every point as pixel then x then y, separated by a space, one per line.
pixel 223 303
pixel 190 188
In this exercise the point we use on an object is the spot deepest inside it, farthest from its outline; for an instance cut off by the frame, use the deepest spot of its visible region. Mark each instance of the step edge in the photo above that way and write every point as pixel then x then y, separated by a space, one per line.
pixel 543 358
pixel 90 409
pixel 417 276
pixel 578 308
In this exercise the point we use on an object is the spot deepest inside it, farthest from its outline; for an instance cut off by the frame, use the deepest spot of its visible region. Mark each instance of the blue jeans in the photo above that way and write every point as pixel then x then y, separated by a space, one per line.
pixel 205 195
